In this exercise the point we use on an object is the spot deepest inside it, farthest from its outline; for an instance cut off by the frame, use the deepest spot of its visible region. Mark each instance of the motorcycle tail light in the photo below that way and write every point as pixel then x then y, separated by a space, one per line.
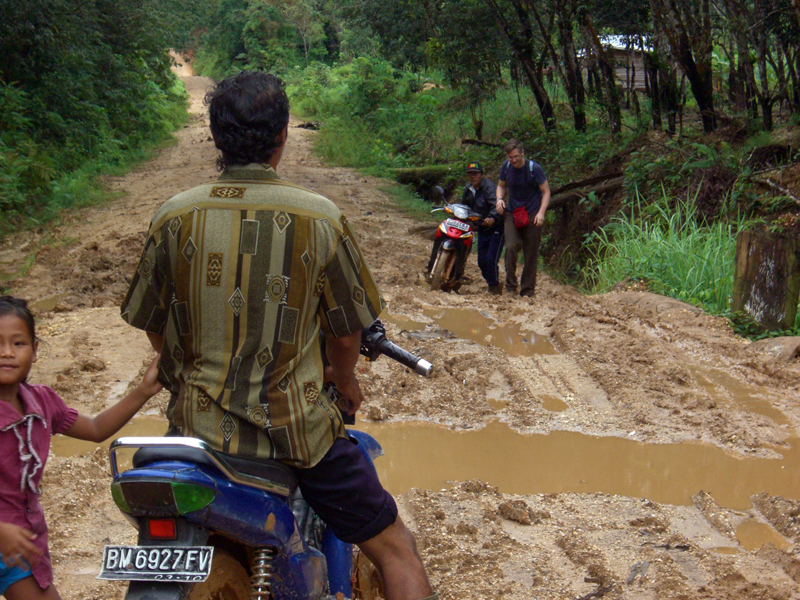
pixel 119 497
pixel 162 529
pixel 189 497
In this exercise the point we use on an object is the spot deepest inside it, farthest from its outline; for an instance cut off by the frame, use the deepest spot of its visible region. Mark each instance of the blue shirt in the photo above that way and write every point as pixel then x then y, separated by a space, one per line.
pixel 523 185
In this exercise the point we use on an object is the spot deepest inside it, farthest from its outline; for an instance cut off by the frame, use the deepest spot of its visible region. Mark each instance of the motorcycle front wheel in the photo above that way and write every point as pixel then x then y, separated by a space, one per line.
pixel 445 263
pixel 228 580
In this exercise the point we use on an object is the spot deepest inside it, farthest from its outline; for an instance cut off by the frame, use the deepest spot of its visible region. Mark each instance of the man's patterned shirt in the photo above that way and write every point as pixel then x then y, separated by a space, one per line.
pixel 239 276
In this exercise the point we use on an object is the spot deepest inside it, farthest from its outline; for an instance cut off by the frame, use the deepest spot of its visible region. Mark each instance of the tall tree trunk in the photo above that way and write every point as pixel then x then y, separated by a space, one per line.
pixel 735 94
pixel 644 51
pixel 536 85
pixel 633 97
pixel 666 78
pixel 748 78
pixel 573 78
pixel 606 69
pixel 651 69
pixel 687 26
pixel 520 37
pixel 783 81
pixel 796 78
pixel 563 13
pixel 593 80
pixel 740 22
pixel 758 33
pixel 670 95
pixel 793 88
pixel 477 120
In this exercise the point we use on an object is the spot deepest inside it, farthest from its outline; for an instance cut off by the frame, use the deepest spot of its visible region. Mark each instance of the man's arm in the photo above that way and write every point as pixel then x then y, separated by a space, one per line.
pixel 342 354
pixel 500 205
pixel 539 218
pixel 467 198
pixel 490 191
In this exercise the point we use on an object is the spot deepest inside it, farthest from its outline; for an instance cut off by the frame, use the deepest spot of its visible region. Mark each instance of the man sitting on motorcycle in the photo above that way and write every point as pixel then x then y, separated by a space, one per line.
pixel 479 195
pixel 236 281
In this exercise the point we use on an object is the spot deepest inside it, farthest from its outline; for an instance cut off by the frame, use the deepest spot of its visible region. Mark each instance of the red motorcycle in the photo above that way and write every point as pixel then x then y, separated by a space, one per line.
pixel 454 240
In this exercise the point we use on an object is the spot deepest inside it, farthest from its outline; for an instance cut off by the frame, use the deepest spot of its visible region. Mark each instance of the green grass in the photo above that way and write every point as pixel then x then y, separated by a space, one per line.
pixel 669 249
pixel 411 204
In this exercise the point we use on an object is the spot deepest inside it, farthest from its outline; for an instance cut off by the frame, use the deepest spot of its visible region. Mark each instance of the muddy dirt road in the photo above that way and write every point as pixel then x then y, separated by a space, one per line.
pixel 617 446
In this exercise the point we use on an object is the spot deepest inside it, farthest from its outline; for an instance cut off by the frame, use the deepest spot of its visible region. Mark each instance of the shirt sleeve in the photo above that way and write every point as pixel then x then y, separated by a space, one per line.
pixel 490 192
pixel 62 416
pixel 503 171
pixel 350 300
pixel 145 304
pixel 538 174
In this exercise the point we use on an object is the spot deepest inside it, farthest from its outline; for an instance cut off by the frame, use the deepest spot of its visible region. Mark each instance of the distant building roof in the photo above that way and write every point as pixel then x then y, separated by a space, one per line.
pixel 621 42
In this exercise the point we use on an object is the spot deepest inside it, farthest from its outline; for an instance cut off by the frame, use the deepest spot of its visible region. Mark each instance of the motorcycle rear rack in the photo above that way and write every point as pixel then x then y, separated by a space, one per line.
pixel 198 446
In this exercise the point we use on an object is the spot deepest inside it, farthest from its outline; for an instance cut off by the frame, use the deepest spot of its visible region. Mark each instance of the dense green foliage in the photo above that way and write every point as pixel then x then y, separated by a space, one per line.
pixel 276 35
pixel 80 85
pixel 376 117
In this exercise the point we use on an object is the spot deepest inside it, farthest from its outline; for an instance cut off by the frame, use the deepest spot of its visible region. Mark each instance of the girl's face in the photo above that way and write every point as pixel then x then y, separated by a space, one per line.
pixel 17 350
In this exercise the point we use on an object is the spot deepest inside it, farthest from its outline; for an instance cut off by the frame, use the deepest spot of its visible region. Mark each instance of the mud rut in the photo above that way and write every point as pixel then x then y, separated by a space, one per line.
pixel 629 364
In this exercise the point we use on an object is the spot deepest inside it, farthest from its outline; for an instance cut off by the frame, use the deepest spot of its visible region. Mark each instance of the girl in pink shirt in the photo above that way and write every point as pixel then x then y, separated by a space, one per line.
pixel 29 416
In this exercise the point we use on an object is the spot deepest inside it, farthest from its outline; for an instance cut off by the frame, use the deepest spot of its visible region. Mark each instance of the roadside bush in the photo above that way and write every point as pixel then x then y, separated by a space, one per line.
pixel 372 84
pixel 25 171
pixel 83 88
pixel 669 249
pixel 377 117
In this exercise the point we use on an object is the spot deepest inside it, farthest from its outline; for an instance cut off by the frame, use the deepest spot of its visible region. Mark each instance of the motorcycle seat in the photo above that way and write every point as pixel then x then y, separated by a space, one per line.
pixel 269 470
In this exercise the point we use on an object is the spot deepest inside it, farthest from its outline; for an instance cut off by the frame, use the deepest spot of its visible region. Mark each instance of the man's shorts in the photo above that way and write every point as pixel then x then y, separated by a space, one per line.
pixel 344 490
pixel 10 576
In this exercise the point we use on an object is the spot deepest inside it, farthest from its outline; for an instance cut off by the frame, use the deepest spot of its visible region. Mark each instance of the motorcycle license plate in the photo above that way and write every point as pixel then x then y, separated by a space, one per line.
pixel 457 224
pixel 157 563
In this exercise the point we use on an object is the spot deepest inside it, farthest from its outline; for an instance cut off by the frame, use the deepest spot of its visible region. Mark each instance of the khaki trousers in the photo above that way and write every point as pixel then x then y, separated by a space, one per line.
pixel 526 239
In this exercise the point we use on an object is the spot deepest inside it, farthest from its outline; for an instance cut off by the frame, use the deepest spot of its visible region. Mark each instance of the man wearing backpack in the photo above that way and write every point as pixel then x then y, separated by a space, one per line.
pixel 523 212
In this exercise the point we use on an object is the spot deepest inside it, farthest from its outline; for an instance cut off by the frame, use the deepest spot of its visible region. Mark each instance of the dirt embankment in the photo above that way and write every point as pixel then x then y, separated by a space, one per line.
pixel 626 364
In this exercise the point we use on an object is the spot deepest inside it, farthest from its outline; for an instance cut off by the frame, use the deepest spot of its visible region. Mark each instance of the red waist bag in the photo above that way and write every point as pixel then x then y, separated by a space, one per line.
pixel 520 217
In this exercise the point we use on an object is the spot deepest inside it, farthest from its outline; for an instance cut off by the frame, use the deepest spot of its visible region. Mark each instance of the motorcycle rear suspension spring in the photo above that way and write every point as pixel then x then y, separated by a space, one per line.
pixel 263 571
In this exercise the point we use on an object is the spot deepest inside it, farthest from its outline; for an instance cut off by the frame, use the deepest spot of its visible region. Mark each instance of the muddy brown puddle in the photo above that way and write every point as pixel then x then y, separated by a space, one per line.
pixel 726 390
pixel 139 427
pixel 430 456
pixel 470 324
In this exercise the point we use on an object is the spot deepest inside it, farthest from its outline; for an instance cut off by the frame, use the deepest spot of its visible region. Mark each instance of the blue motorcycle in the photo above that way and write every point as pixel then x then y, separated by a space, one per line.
pixel 214 526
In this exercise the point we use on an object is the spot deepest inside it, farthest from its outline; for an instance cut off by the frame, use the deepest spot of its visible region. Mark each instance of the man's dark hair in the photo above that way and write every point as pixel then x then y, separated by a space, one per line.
pixel 247 112
pixel 513 144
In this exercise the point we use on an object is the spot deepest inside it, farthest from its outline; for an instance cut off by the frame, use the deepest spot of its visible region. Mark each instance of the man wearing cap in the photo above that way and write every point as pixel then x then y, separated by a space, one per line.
pixel 479 195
